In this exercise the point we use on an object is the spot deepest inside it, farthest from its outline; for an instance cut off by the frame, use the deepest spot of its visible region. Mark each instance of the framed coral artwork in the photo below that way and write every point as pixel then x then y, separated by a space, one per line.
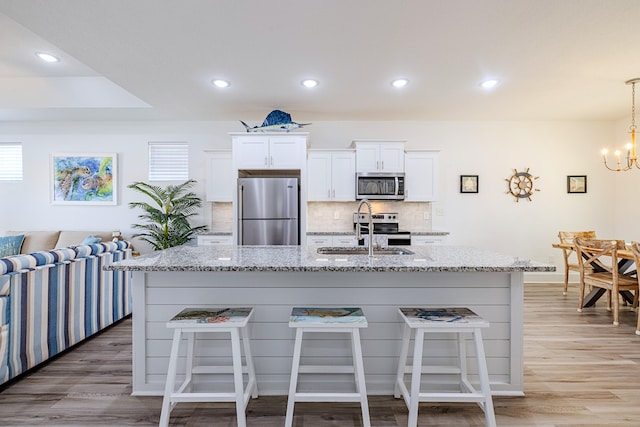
pixel 84 179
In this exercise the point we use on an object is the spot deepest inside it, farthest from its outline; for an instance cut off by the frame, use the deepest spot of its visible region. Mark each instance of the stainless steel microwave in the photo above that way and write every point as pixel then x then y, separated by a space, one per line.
pixel 379 186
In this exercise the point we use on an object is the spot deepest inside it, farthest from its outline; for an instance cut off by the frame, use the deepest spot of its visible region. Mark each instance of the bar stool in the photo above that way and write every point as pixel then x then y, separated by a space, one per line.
pixel 191 321
pixel 334 320
pixel 460 321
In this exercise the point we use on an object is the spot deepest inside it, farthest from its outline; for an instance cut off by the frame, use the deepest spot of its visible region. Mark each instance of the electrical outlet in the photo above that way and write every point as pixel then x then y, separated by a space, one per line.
pixel 440 211
pixel 336 215
pixel 426 215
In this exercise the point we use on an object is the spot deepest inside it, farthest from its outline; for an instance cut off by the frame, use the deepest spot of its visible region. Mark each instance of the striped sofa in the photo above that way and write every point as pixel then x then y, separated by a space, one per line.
pixel 51 300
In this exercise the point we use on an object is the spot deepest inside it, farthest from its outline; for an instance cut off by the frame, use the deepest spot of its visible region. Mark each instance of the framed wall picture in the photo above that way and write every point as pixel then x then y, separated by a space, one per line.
pixel 576 183
pixel 468 183
pixel 84 179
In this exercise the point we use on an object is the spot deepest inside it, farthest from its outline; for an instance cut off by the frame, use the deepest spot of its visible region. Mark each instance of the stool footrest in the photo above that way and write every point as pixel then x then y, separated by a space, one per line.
pixel 451 397
pixel 327 397
pixel 203 369
pixel 325 369
pixel 434 369
pixel 203 397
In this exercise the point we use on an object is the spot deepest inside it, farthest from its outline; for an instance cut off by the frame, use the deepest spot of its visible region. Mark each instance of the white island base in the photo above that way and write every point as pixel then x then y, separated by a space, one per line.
pixel 496 296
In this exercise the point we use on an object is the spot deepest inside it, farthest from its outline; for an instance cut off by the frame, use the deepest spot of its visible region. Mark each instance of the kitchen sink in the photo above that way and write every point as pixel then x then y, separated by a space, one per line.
pixel 362 250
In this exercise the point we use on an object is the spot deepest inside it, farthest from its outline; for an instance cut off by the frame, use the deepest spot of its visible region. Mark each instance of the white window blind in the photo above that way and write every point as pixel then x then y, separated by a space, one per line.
pixel 168 161
pixel 10 161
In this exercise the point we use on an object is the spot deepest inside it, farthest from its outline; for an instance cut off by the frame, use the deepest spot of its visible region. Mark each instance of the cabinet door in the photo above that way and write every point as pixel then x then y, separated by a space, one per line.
pixel 220 180
pixel 421 176
pixel 214 240
pixel 286 152
pixel 427 240
pixel 319 241
pixel 252 152
pixel 391 157
pixel 344 241
pixel 319 176
pixel 367 157
pixel 343 176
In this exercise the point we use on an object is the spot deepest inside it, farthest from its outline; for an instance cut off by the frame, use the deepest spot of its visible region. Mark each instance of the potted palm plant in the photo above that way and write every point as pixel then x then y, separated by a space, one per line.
pixel 167 216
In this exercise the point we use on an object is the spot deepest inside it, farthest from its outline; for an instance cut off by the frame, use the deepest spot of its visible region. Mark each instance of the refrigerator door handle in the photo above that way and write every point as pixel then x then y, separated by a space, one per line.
pixel 240 197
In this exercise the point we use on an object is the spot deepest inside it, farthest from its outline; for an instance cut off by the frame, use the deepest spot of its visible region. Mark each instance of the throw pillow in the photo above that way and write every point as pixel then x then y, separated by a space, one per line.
pixel 10 245
pixel 91 240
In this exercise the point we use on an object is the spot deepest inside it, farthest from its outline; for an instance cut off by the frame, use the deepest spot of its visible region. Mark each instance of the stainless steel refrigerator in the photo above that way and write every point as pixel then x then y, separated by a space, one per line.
pixel 268 211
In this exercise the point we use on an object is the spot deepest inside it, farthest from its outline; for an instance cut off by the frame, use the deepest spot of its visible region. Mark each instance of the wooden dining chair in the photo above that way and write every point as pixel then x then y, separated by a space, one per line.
pixel 570 260
pixel 635 249
pixel 598 260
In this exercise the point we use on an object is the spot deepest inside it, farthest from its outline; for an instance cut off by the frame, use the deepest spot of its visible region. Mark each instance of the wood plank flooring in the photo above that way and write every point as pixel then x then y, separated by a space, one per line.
pixel 579 371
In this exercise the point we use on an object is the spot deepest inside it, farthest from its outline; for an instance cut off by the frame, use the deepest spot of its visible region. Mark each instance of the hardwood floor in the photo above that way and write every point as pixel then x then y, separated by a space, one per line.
pixel 579 371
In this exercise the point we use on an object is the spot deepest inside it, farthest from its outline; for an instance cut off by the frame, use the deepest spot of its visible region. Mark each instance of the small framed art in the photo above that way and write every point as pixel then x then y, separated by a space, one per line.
pixel 84 179
pixel 576 183
pixel 468 183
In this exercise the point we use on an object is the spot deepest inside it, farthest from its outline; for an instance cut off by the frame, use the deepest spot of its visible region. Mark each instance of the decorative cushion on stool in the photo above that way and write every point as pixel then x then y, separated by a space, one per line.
pixel 443 320
pixel 196 320
pixel 341 320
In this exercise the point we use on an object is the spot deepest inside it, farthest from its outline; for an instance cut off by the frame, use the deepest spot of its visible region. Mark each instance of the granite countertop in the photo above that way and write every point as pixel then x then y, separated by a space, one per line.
pixel 296 258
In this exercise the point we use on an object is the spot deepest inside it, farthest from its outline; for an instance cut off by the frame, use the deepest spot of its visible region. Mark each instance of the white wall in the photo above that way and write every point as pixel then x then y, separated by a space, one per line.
pixel 489 219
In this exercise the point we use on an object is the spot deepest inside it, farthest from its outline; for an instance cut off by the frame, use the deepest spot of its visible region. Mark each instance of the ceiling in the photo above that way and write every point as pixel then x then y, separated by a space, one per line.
pixel 155 59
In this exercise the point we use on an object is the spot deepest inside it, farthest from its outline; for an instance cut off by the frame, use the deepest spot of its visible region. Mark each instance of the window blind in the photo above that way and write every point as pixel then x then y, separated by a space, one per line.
pixel 168 161
pixel 10 161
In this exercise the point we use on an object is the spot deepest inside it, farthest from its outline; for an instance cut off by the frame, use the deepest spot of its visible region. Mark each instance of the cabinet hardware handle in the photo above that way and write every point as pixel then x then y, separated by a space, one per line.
pixel 265 161
pixel 382 162
pixel 329 193
pixel 271 161
pixel 334 193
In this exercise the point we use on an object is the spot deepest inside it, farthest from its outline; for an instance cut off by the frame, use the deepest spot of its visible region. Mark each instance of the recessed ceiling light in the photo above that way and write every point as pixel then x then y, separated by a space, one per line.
pixel 220 83
pixel 309 83
pixel 489 84
pixel 47 57
pixel 399 83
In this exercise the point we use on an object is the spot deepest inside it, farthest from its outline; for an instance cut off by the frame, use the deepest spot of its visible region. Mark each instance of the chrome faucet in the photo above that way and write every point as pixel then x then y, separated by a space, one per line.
pixel 359 226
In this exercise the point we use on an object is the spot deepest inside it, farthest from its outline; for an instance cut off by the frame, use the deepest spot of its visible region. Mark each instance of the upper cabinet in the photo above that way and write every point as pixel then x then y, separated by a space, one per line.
pixel 379 156
pixel 421 176
pixel 331 175
pixel 220 177
pixel 269 151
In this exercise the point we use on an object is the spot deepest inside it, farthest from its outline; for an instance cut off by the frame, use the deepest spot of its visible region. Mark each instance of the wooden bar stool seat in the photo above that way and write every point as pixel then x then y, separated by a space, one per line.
pixel 333 320
pixel 460 321
pixel 192 321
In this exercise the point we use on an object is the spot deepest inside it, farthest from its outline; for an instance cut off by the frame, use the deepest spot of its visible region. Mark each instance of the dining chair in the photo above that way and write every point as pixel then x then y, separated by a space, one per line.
pixel 635 249
pixel 570 260
pixel 598 260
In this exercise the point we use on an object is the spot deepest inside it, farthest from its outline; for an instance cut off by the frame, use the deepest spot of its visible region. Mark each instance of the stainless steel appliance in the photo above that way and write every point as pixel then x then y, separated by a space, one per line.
pixel 386 224
pixel 379 186
pixel 268 211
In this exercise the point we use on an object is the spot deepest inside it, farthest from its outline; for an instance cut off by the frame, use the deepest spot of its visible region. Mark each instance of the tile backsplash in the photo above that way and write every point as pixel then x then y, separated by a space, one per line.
pixel 336 216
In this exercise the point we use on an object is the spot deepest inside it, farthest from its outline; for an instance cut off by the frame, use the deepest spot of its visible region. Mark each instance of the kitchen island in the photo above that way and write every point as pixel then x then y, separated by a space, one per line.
pixel 273 279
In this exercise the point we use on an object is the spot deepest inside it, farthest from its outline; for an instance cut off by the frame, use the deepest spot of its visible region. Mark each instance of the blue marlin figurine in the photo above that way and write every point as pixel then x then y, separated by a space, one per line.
pixel 276 121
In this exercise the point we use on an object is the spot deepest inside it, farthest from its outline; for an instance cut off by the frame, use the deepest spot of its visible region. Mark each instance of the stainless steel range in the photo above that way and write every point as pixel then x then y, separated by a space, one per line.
pixel 386 224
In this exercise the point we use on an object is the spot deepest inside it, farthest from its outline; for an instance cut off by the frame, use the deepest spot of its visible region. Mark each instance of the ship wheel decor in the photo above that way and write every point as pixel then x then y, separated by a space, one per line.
pixel 521 185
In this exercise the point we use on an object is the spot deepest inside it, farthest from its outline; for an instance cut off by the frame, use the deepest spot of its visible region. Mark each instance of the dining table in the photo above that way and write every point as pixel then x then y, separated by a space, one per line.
pixel 626 263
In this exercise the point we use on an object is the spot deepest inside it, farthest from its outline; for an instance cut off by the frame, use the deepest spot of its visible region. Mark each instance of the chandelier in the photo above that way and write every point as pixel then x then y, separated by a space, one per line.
pixel 632 158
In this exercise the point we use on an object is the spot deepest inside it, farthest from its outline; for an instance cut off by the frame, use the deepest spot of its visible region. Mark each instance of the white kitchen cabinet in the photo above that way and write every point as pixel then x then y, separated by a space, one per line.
pixel 214 239
pixel 344 240
pixel 219 176
pixel 332 240
pixel 379 156
pixel 427 240
pixel 421 176
pixel 269 151
pixel 331 175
